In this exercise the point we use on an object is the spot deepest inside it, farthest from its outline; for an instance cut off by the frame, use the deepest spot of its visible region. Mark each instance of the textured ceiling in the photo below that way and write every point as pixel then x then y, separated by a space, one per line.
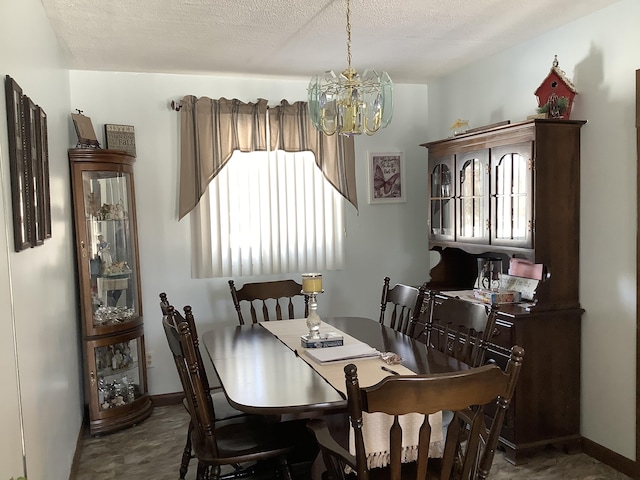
pixel 413 40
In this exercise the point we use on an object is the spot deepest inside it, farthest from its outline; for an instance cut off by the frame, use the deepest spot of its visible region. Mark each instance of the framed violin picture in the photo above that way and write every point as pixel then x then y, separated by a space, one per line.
pixel 387 177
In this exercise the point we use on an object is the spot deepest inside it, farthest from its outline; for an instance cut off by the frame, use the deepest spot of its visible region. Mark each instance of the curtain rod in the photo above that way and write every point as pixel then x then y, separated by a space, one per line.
pixel 177 105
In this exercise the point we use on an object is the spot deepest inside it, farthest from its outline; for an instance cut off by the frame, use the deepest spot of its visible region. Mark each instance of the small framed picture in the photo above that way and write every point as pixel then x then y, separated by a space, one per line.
pixel 120 137
pixel 84 129
pixel 387 177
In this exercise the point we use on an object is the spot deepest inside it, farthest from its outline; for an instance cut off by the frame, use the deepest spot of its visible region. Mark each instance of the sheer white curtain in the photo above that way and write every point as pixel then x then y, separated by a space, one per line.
pixel 268 212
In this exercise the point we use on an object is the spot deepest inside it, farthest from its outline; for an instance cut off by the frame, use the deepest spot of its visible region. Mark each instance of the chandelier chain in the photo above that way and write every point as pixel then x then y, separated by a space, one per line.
pixel 348 36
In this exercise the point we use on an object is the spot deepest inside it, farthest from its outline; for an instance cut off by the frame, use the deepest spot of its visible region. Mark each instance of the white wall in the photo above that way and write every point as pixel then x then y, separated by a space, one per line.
pixel 382 240
pixel 598 54
pixel 37 286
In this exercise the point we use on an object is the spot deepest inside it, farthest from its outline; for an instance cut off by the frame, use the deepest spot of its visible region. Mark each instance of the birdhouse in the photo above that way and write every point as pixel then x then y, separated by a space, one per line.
pixel 555 94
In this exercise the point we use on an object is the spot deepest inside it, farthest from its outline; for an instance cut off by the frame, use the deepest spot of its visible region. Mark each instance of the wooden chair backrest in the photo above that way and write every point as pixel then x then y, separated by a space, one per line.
pixel 194 383
pixel 469 446
pixel 460 328
pixel 266 297
pixel 406 303
pixel 164 304
pixel 168 309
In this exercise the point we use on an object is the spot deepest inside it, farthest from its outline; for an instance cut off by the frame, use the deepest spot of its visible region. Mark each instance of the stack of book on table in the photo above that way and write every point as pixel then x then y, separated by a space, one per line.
pixel 329 339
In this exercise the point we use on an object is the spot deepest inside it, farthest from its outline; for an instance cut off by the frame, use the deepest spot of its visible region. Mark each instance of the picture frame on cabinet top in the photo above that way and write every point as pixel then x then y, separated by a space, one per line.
pixel 84 129
pixel 120 137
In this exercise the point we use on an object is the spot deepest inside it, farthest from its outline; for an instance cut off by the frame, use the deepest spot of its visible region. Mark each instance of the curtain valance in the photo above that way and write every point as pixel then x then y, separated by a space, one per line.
pixel 210 130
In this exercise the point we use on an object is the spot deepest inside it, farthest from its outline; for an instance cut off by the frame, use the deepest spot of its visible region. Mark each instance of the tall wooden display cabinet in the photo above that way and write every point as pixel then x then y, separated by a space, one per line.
pixel 109 287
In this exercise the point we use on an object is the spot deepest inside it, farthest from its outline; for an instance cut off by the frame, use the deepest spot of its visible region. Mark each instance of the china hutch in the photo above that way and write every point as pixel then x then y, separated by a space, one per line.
pixel 513 191
pixel 109 288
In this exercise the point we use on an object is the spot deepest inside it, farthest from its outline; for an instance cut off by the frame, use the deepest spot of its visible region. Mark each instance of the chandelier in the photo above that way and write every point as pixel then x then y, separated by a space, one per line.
pixel 350 104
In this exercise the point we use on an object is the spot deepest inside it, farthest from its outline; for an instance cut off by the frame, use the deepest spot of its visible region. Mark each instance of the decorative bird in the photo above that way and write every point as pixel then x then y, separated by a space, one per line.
pixel 459 124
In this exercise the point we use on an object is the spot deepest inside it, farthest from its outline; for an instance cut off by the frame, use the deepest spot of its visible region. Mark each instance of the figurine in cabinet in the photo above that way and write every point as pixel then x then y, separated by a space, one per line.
pixel 117 359
pixel 104 251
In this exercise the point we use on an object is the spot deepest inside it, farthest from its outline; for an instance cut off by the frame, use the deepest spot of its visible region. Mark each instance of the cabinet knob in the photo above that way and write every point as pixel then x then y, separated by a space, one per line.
pixel 92 378
pixel 84 250
pixel 496 332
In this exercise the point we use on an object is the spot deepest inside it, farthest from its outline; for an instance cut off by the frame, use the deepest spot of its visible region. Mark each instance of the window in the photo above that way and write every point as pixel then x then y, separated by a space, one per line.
pixel 268 213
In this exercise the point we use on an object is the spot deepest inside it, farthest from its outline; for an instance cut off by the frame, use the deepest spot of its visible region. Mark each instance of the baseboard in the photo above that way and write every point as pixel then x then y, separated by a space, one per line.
pixel 73 473
pixel 175 398
pixel 167 399
pixel 611 458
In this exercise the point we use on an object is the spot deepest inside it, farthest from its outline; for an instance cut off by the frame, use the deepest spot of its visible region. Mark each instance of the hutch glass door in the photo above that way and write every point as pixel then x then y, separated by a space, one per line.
pixel 512 222
pixel 472 206
pixel 441 199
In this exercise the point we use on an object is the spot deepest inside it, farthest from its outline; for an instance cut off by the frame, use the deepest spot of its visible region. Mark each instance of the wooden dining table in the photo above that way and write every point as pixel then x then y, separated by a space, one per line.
pixel 260 374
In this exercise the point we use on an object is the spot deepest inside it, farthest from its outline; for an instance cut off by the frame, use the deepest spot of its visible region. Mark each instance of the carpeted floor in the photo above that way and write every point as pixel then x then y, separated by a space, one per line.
pixel 153 449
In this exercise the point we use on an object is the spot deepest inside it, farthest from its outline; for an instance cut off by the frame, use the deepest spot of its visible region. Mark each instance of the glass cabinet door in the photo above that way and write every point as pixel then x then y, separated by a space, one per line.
pixel 441 193
pixel 110 247
pixel 512 199
pixel 472 197
pixel 116 380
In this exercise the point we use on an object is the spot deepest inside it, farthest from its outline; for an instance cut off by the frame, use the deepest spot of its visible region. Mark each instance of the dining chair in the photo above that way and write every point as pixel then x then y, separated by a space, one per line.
pixel 459 328
pixel 233 442
pixel 267 297
pixel 466 393
pixel 220 405
pixel 406 304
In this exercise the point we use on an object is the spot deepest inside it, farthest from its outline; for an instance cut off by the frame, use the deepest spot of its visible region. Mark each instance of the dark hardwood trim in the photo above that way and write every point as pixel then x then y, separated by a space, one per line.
pixel 75 462
pixel 174 398
pixel 611 458
pixel 167 399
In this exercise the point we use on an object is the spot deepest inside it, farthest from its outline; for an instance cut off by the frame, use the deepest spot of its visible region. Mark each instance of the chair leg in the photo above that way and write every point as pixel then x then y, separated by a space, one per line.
pixel 206 473
pixel 284 468
pixel 186 454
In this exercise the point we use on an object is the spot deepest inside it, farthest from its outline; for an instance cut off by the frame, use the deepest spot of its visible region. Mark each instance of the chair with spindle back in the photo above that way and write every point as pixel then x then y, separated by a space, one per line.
pixel 405 304
pixel 266 297
pixel 223 410
pixel 233 442
pixel 460 328
pixel 469 445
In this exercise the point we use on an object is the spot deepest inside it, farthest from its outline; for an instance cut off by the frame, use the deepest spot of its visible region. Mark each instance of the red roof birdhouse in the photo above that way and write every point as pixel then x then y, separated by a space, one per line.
pixel 555 94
